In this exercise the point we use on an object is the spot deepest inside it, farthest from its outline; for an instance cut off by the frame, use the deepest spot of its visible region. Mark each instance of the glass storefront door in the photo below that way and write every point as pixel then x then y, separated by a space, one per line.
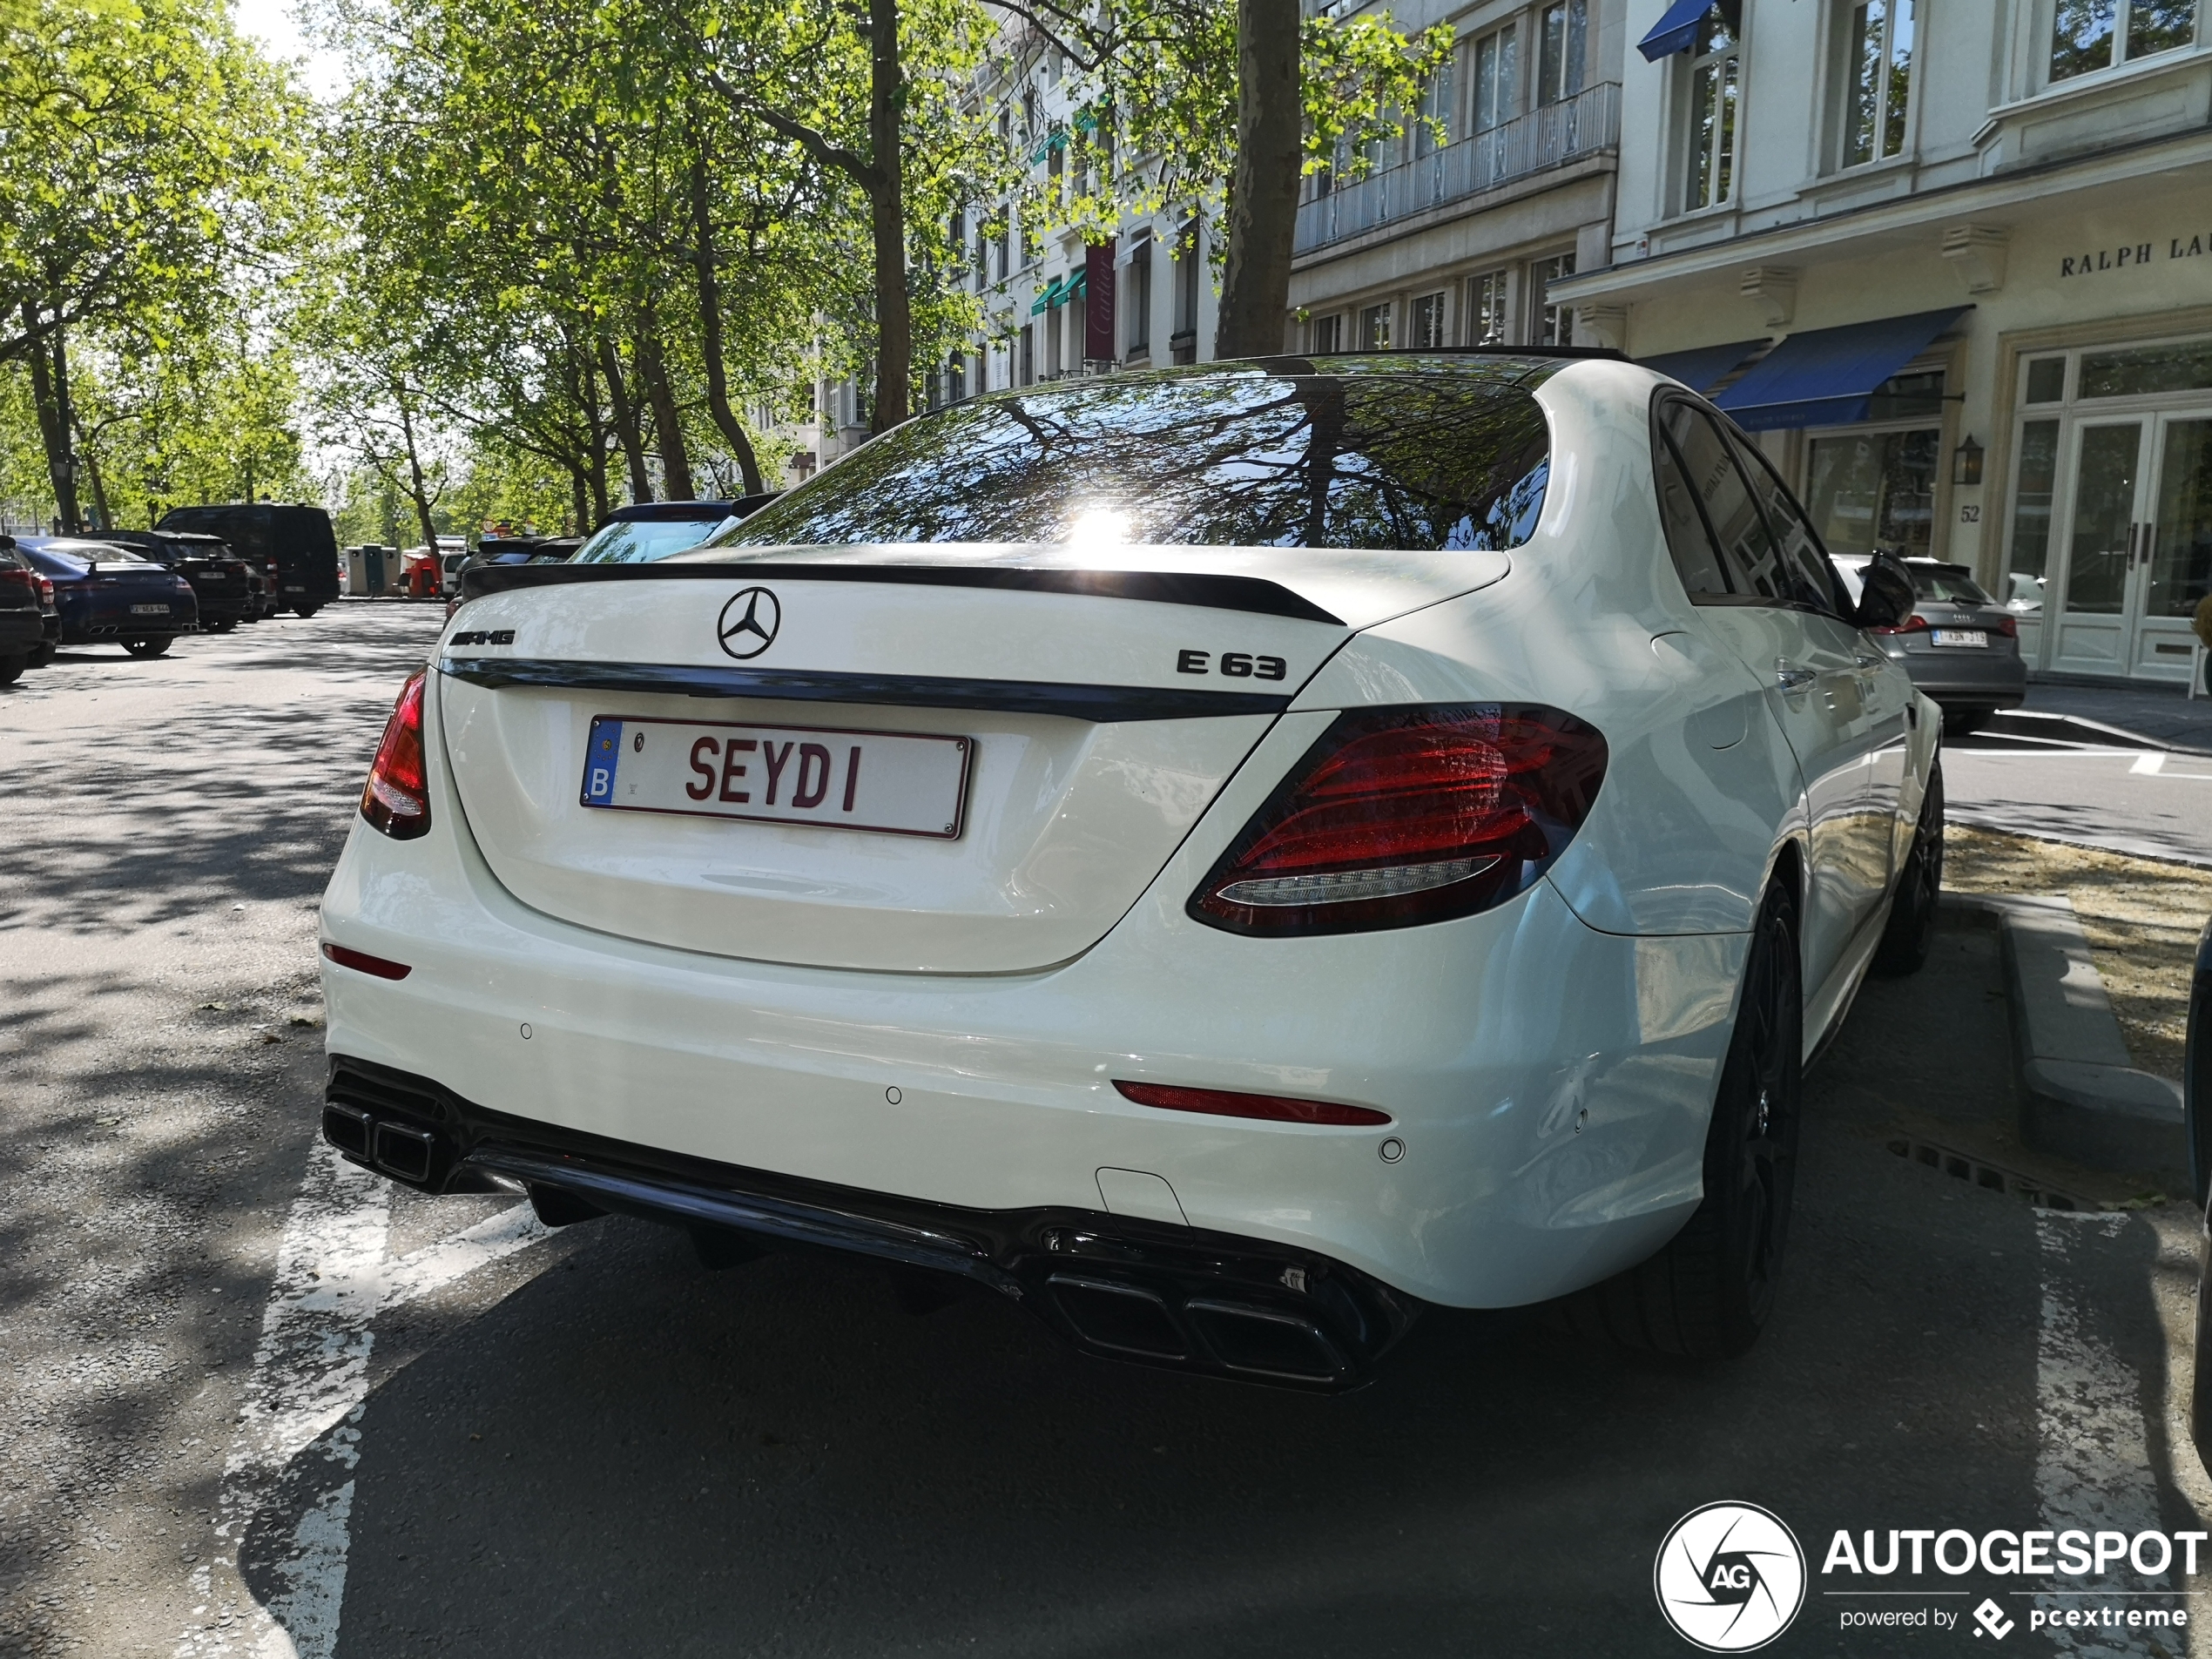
pixel 2110 533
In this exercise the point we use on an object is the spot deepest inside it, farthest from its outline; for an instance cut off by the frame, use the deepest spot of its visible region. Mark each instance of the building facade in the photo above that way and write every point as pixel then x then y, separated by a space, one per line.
pixel 1953 262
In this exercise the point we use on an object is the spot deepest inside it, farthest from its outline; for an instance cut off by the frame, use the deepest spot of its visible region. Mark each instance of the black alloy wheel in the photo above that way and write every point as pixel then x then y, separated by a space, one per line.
pixel 304 612
pixel 1910 931
pixel 154 647
pixel 1709 1292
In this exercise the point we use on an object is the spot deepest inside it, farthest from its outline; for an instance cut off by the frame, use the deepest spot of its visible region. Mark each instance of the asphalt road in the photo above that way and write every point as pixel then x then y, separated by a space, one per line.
pixel 2150 803
pixel 252 1402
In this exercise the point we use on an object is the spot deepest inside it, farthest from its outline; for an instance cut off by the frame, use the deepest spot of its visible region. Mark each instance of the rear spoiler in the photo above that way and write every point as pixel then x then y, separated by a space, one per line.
pixel 1223 592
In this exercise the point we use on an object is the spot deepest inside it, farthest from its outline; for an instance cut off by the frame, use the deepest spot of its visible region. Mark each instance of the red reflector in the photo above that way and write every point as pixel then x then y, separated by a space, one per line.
pixel 361 962
pixel 1399 816
pixel 396 799
pixel 1226 1102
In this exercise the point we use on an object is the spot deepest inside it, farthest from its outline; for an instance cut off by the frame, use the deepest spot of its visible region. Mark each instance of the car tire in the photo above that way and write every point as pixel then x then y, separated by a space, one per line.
pixel 222 625
pixel 1709 1292
pixel 41 654
pixel 147 647
pixel 11 668
pixel 1910 931
pixel 304 612
pixel 1959 721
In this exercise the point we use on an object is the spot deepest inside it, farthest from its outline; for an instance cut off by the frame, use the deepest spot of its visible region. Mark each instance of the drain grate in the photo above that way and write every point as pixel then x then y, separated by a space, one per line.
pixel 1964 1166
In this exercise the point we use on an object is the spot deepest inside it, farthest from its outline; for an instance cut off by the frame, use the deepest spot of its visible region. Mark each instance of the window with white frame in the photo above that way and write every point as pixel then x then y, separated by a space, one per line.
pixel 1426 333
pixel 1877 79
pixel 1562 49
pixel 1554 323
pixel 1715 91
pixel 1485 309
pixel 2090 35
pixel 1495 65
pixel 1436 112
pixel 1375 327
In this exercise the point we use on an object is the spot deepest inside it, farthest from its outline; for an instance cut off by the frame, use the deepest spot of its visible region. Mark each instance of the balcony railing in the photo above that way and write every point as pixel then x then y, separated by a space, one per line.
pixel 1546 138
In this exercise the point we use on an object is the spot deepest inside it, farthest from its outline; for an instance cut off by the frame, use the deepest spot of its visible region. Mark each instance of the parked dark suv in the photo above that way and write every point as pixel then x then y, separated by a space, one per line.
pixel 297 540
pixel 221 582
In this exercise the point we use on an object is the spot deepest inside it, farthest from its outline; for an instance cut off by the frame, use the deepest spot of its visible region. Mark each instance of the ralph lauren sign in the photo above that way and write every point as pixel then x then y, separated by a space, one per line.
pixel 2128 255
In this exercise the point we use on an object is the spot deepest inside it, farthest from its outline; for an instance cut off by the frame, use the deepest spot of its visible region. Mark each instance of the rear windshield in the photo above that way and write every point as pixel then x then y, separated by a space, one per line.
pixel 61 561
pixel 1948 583
pixel 1448 456
pixel 643 541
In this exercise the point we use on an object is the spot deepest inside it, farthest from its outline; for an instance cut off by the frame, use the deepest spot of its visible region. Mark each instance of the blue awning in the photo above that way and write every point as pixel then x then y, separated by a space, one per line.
pixel 1824 376
pixel 1677 32
pixel 1702 370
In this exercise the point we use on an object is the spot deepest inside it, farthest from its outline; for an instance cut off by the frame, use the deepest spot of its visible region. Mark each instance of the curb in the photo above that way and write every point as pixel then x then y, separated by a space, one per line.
pixel 2082 1095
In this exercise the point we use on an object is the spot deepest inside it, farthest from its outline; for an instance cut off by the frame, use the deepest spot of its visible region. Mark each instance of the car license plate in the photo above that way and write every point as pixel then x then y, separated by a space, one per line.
pixel 892 782
pixel 149 610
pixel 1960 636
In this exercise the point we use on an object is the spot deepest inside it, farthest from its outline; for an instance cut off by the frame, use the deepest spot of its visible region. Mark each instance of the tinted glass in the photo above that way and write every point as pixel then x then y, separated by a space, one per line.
pixel 1748 554
pixel 1805 564
pixel 1696 561
pixel 71 557
pixel 1948 584
pixel 1449 457
pixel 643 541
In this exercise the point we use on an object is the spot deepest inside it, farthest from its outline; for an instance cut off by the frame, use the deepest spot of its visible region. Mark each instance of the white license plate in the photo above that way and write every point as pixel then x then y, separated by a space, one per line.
pixel 1960 636
pixel 149 610
pixel 891 782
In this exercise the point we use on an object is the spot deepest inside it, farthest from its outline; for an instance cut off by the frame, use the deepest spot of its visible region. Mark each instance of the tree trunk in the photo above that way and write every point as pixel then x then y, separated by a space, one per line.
pixel 50 394
pixel 1263 195
pixel 579 498
pixel 886 200
pixel 625 421
pixel 668 422
pixel 718 381
pixel 101 515
pixel 418 488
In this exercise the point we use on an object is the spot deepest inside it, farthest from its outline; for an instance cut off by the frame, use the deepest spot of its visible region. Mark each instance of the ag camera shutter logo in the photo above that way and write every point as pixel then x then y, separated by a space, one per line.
pixel 1729 1577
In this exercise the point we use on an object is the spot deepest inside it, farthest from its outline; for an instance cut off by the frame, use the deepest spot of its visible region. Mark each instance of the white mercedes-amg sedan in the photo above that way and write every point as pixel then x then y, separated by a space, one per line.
pixel 1224 857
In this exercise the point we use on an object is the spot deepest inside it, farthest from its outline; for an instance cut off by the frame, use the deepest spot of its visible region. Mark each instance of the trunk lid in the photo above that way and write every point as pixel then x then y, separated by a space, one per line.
pixel 1098 711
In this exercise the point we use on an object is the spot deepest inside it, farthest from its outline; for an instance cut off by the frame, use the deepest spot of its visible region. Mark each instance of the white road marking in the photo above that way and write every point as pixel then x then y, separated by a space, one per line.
pixel 305 1391
pixel 2147 766
pixel 2093 1460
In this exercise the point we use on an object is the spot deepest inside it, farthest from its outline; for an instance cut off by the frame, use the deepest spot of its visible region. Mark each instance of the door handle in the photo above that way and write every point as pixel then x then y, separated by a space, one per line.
pixel 2149 541
pixel 1791 677
pixel 2134 536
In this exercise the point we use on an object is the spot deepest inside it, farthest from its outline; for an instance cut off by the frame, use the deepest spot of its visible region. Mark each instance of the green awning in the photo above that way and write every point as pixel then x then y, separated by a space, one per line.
pixel 1050 296
pixel 1075 286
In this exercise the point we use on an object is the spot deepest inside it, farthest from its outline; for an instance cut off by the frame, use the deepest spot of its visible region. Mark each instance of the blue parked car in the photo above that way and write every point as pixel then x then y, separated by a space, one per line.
pixel 110 596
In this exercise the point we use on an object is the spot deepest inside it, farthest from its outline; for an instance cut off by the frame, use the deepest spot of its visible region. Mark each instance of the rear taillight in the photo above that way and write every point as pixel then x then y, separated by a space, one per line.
pixel 1402 816
pixel 1915 624
pixel 2008 627
pixel 11 577
pixel 397 798
pixel 45 590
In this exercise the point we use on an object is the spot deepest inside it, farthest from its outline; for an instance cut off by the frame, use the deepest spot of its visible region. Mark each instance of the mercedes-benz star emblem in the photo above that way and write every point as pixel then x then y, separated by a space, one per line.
pixel 749 623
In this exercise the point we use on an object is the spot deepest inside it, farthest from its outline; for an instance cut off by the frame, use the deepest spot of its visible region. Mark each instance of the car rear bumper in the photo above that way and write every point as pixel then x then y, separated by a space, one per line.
pixel 1120 1287
pixel 20 631
pixel 1962 674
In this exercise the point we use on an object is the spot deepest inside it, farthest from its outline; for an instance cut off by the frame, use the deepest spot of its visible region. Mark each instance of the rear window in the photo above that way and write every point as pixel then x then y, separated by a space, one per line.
pixel 1948 583
pixel 1451 457
pixel 643 541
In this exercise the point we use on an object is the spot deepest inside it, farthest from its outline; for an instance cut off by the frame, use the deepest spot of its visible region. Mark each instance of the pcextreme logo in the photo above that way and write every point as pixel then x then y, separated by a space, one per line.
pixel 1729 1577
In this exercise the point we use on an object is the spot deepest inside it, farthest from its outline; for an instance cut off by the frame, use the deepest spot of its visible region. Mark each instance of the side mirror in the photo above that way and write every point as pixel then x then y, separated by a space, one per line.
pixel 1886 596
